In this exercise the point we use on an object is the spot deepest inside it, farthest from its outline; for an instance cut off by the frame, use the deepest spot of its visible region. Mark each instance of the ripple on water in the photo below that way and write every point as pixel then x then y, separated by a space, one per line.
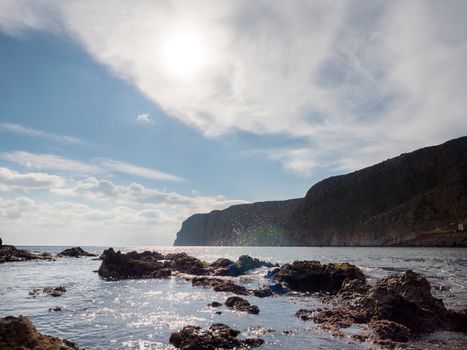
pixel 141 314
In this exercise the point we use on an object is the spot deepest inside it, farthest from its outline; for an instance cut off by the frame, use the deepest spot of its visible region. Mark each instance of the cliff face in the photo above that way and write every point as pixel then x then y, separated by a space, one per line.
pixel 262 223
pixel 417 198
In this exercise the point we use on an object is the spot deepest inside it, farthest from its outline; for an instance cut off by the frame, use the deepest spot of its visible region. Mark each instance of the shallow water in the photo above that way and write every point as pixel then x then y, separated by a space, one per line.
pixel 141 314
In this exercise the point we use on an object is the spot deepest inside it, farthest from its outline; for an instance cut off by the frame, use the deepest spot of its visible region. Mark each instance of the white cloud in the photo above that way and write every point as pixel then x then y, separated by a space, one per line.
pixel 11 180
pixel 99 166
pixel 18 129
pixel 48 161
pixel 144 118
pixel 122 167
pixel 93 211
pixel 341 76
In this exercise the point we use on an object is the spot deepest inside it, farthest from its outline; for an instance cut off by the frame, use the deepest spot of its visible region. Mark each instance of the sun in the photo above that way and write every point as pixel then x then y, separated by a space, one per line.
pixel 183 54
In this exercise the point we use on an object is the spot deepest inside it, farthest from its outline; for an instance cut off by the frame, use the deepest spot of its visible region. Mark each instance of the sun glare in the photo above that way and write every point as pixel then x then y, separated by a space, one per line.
pixel 183 54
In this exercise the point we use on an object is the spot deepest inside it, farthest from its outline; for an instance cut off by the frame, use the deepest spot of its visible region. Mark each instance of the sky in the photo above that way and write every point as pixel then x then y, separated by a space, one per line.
pixel 119 119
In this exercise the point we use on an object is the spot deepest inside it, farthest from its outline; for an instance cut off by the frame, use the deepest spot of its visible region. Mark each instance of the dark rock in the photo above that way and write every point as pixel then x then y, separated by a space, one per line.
pixel 184 263
pixel 75 252
pixel 218 336
pixel 55 309
pixel 116 265
pixel 215 304
pixel 251 342
pixel 20 333
pixel 241 304
pixel 9 253
pixel 219 285
pixel 389 330
pixel 54 291
pixel 312 276
pixel 397 308
pixel 226 267
pixel 263 292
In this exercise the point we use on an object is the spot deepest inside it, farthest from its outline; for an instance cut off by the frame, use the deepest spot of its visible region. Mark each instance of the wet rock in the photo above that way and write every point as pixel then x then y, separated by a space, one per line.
pixel 55 309
pixel 75 252
pixel 35 292
pixel 312 276
pixel 396 308
pixel 215 304
pixel 220 267
pixel 218 336
pixel 116 265
pixel 54 291
pixel 389 330
pixel 263 292
pixel 9 253
pixel 20 333
pixel 241 304
pixel 219 285
pixel 245 263
pixel 182 262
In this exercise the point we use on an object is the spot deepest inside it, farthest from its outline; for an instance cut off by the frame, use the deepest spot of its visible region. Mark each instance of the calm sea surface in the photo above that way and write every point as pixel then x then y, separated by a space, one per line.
pixel 141 314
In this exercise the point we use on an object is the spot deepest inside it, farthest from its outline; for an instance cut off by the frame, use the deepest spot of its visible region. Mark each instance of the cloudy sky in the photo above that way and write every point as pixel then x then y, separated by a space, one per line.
pixel 119 119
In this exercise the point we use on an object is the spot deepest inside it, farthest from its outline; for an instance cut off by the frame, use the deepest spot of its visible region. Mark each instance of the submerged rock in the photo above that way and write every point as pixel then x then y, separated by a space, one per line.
pixel 396 308
pixel 20 333
pixel 54 291
pixel 312 276
pixel 116 265
pixel 215 304
pixel 241 304
pixel 218 336
pixel 75 252
pixel 219 285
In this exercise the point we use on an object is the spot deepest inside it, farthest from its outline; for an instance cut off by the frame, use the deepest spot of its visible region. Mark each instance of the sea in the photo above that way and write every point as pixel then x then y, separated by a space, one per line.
pixel 141 314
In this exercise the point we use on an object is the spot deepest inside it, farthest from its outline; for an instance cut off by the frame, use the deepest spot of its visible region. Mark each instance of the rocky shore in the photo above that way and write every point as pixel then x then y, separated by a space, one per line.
pixel 388 312
pixel 9 253
pixel 392 311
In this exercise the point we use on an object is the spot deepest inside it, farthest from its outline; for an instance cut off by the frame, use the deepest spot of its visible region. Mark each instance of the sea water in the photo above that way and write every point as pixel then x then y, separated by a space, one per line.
pixel 141 314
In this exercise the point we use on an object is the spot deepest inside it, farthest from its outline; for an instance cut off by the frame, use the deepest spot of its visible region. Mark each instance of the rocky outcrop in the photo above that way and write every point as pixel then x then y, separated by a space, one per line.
pixel 218 336
pixel 9 253
pixel 416 199
pixel 75 252
pixel 245 263
pixel 20 333
pixel 397 308
pixel 312 276
pixel 116 265
pixel 241 304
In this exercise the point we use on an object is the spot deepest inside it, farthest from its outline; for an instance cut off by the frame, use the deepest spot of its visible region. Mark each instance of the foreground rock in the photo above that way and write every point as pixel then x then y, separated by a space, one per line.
pixel 241 304
pixel 397 308
pixel 312 276
pixel 218 336
pixel 245 263
pixel 9 253
pixel 20 333
pixel 75 252
pixel 116 265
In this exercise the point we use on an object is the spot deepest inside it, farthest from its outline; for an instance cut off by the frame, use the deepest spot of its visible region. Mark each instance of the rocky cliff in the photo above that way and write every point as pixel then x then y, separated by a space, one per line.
pixel 418 198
